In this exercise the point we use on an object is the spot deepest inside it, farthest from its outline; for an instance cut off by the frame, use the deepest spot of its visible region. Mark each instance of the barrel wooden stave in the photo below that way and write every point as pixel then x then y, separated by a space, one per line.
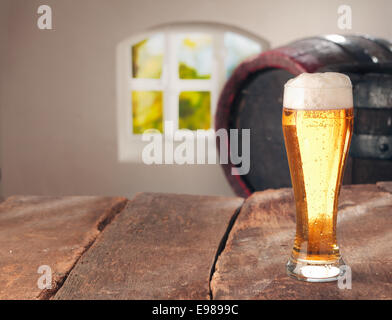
pixel 250 115
pixel 372 140
pixel 363 49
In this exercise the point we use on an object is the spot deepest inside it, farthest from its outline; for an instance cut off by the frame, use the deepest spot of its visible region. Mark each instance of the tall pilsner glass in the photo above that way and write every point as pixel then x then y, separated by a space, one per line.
pixel 317 126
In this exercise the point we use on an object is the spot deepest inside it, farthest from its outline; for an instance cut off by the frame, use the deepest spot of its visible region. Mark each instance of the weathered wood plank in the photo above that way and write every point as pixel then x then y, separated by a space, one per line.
pixel 162 246
pixel 51 231
pixel 385 185
pixel 252 266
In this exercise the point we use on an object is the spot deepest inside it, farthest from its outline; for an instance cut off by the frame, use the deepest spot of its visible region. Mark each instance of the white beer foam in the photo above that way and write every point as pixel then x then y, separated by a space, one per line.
pixel 318 91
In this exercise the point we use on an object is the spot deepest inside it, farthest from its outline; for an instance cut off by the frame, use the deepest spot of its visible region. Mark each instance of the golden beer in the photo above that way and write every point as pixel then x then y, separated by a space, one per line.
pixel 317 142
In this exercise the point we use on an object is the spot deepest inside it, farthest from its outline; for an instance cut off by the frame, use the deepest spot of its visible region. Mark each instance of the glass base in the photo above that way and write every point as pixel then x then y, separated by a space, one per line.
pixel 315 271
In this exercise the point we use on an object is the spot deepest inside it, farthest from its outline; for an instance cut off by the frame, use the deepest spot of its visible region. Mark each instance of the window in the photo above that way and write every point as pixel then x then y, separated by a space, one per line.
pixel 175 74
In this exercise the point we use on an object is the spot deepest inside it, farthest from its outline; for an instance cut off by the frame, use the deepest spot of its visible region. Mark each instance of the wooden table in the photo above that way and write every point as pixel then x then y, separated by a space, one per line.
pixel 167 246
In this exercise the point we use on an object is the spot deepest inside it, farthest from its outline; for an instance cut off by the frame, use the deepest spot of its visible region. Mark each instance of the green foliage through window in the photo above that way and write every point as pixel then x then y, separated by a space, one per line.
pixel 195 56
pixel 147 57
pixel 187 72
pixel 195 110
pixel 147 111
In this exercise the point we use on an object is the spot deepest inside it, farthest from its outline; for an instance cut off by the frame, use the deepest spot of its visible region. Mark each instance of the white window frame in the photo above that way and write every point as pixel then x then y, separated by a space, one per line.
pixel 130 145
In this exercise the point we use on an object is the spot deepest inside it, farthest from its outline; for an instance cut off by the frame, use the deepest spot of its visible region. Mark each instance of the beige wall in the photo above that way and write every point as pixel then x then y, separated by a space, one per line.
pixel 58 100
pixel 3 52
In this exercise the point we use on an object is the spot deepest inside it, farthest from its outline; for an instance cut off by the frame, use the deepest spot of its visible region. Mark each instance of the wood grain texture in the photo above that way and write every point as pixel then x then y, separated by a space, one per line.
pixel 51 231
pixel 252 265
pixel 385 186
pixel 162 246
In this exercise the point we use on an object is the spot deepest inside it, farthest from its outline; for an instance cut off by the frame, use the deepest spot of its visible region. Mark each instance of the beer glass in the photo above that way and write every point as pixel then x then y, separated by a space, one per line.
pixel 317 125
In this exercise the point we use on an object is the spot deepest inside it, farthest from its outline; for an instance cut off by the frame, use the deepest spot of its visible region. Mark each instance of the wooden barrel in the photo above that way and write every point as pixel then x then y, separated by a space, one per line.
pixel 371 146
pixel 252 99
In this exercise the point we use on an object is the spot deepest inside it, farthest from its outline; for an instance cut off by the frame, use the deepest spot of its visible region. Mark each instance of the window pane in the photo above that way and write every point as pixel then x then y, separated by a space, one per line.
pixel 147 111
pixel 195 110
pixel 195 56
pixel 238 48
pixel 147 57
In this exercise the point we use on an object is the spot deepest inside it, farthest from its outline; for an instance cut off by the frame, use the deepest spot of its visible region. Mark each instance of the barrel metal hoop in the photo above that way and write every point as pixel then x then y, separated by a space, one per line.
pixel 371 146
pixel 355 51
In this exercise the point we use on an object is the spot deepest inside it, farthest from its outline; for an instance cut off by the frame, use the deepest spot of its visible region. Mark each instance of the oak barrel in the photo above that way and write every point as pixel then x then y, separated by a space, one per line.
pixel 252 99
